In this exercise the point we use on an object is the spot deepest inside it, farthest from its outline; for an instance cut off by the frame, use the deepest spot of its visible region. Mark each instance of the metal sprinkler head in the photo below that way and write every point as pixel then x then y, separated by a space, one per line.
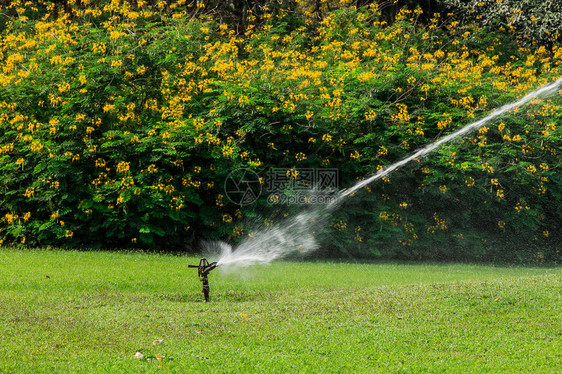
pixel 203 270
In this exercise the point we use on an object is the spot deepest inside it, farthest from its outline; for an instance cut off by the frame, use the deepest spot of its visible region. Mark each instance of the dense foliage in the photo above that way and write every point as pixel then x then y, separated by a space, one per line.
pixel 533 22
pixel 120 122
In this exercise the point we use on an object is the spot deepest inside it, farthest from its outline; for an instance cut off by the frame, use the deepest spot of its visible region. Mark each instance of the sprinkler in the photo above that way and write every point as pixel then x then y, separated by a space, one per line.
pixel 203 270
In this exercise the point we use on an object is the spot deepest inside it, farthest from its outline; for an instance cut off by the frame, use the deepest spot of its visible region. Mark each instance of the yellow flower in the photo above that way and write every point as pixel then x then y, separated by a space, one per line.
pixel 439 54
pixel 100 163
pixel 64 87
pixel 292 173
pixel 370 115
pixel 227 151
pixel 114 35
pixel 29 192
pixel 402 115
pixel 99 48
pixel 36 146
pixel 122 167
pixel 444 123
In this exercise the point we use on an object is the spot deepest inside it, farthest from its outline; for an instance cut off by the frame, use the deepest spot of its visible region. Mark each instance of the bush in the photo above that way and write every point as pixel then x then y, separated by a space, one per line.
pixel 534 22
pixel 120 124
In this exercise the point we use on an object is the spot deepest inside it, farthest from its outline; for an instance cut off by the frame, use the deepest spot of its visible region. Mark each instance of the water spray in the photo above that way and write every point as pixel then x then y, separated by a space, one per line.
pixel 203 270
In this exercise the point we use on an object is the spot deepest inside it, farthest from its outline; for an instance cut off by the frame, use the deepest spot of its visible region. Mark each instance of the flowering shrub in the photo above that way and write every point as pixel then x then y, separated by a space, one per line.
pixel 119 124
pixel 533 21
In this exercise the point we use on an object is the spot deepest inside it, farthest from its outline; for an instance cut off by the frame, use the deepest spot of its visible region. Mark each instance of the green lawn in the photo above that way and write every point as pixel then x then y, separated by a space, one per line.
pixel 67 311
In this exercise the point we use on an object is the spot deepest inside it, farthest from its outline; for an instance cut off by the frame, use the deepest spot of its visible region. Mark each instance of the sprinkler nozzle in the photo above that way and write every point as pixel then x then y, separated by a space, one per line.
pixel 203 270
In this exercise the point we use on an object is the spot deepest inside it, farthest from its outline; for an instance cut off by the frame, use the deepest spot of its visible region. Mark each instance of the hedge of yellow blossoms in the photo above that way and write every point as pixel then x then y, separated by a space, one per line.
pixel 125 117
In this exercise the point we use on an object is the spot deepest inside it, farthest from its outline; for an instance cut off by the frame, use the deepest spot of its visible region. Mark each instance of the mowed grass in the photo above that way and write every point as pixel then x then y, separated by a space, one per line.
pixel 69 311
